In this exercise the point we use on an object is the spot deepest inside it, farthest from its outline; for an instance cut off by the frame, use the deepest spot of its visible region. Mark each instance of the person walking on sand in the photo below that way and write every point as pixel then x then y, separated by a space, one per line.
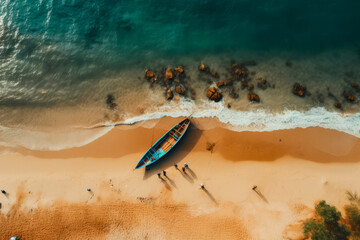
pixel 202 186
pixel 159 175
pixel 3 192
pixel 164 172
pixel 186 165
pixel 183 169
pixel 175 165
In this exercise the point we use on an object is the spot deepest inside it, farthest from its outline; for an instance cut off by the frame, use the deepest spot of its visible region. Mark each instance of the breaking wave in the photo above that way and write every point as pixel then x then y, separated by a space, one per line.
pixel 258 120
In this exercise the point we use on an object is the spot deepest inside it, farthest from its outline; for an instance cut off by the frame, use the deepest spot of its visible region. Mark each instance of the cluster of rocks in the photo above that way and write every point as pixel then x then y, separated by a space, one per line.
pixel 172 79
pixel 349 96
pixel 301 91
pixel 237 73
pixel 206 69
pixel 213 92
pixel 175 83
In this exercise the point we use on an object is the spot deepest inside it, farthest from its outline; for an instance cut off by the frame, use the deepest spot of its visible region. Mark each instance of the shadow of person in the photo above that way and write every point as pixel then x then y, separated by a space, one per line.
pixel 210 195
pixel 6 195
pixel 175 155
pixel 92 194
pixel 171 181
pixel 192 173
pixel 167 186
pixel 186 176
pixel 260 195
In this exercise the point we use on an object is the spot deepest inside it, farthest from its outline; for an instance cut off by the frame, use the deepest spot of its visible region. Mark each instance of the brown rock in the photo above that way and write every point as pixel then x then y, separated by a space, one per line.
pixel 250 87
pixel 169 94
pixel 214 94
pixel 337 105
pixel 241 72
pixel 220 83
pixel 227 82
pixel 299 89
pixel 179 70
pixel 349 97
pixel 204 68
pixel 180 90
pixel 169 74
pixel 215 74
pixel 253 97
pixel 229 105
pixel 150 75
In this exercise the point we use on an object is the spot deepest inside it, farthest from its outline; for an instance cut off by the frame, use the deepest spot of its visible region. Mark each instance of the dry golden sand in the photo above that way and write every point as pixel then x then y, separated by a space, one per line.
pixel 145 219
pixel 292 169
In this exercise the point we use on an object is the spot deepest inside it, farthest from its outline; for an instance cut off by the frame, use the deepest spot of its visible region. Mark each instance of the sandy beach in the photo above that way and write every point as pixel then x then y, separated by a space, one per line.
pixel 47 195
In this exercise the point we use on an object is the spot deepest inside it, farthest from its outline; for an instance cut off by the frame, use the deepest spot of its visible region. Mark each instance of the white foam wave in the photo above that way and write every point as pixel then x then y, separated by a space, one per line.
pixel 258 120
pixel 53 141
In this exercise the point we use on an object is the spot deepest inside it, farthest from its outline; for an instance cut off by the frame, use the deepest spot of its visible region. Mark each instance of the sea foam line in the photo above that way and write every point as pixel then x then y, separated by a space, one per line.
pixel 258 120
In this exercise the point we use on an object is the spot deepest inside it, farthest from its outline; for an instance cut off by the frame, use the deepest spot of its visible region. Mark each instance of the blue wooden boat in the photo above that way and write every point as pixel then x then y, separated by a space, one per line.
pixel 164 144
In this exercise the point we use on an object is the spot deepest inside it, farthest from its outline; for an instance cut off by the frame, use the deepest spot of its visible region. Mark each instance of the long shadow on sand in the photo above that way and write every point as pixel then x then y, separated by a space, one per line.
pixel 210 196
pixel 178 153
pixel 192 173
pixel 186 176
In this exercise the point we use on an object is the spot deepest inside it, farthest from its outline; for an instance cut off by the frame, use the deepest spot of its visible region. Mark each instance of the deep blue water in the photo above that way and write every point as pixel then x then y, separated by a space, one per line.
pixel 60 44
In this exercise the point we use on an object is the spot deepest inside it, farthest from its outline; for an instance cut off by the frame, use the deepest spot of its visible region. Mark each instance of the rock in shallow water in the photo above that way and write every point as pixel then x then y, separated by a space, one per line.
pixel 179 70
pixel 150 75
pixel 299 89
pixel 214 94
pixel 180 89
pixel 253 97
pixel 169 74
pixel 169 94
pixel 204 68
pixel 215 74
pixel 349 97
pixel 337 105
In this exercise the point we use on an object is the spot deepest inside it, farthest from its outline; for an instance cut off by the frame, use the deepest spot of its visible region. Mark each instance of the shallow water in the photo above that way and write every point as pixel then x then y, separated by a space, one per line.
pixel 60 59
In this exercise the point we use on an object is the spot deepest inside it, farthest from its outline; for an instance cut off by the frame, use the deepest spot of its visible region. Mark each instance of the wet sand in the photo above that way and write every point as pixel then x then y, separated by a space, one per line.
pixel 292 169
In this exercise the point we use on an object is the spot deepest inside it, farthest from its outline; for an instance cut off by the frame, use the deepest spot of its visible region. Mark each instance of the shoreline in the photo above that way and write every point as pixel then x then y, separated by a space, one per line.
pixel 61 138
pixel 307 165
pixel 327 144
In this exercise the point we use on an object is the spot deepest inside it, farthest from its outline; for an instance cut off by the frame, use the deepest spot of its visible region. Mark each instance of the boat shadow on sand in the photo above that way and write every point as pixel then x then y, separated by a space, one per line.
pixel 178 153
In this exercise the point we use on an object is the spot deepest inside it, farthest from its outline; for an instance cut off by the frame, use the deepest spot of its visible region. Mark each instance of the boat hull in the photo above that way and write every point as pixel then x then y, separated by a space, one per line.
pixel 164 144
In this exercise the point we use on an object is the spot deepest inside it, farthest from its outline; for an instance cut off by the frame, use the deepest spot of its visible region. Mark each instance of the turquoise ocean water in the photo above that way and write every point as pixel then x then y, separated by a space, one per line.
pixel 59 60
